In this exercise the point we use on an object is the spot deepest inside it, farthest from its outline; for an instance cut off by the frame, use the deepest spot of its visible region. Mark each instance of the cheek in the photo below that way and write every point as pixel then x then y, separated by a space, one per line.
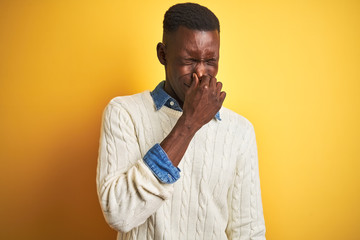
pixel 177 71
pixel 182 74
pixel 212 70
pixel 186 69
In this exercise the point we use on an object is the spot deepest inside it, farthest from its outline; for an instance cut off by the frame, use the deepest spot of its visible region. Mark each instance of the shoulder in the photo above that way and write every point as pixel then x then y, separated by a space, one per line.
pixel 131 101
pixel 235 120
pixel 242 130
pixel 129 106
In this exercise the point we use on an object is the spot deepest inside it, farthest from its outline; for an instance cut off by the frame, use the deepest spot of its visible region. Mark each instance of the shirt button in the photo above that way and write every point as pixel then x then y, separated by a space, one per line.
pixel 172 103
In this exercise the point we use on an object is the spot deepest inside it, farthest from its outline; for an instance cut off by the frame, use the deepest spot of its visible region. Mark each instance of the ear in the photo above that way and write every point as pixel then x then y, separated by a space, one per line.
pixel 161 53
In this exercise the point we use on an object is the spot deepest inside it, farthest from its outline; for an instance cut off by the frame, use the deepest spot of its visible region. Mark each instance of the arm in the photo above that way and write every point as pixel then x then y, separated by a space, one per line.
pixel 128 191
pixel 246 220
pixel 202 101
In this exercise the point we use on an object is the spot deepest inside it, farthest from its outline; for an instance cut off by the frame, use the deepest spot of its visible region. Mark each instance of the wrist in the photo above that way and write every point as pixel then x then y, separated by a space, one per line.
pixel 186 126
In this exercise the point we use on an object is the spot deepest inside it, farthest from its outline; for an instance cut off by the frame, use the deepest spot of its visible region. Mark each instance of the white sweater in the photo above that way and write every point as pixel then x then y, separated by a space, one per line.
pixel 217 196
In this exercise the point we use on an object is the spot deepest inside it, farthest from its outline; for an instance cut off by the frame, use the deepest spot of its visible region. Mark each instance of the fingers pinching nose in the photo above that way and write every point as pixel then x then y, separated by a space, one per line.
pixel 195 80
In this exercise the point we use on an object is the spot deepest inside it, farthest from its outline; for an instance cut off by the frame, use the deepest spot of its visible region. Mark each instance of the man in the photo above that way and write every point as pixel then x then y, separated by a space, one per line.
pixel 173 163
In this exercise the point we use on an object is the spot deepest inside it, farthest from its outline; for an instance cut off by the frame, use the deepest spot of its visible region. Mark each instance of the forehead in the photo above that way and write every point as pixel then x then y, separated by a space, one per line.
pixel 189 41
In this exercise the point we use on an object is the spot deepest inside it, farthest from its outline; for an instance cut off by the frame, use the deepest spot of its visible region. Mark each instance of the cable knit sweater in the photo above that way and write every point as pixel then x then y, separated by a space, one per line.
pixel 217 196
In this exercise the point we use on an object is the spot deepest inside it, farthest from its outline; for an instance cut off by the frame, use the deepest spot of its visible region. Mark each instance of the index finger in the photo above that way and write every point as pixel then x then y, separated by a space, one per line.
pixel 195 81
pixel 205 81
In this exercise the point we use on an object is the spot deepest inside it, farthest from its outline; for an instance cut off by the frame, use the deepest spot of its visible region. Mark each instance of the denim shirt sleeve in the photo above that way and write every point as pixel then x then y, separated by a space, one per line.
pixel 160 164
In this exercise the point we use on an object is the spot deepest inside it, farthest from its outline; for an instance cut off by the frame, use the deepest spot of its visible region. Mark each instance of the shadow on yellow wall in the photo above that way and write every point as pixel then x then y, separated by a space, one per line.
pixel 291 68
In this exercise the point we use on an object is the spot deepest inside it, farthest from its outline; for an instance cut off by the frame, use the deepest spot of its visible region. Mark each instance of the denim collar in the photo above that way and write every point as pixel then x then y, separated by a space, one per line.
pixel 162 98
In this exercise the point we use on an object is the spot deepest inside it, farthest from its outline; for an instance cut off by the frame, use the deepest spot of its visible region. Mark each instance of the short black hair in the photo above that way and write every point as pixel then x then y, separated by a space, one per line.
pixel 190 15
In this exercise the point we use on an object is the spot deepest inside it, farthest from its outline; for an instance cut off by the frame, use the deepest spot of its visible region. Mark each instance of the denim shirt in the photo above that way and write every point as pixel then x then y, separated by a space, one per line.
pixel 156 158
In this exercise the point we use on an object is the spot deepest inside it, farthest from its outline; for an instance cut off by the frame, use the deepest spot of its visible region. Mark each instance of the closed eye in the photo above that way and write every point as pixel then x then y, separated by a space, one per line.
pixel 189 61
pixel 211 61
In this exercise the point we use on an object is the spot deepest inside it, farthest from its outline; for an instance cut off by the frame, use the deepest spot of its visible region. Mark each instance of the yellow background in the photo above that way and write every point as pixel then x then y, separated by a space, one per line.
pixel 290 67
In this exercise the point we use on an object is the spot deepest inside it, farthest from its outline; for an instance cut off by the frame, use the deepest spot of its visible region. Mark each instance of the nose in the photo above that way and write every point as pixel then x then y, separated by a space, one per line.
pixel 200 69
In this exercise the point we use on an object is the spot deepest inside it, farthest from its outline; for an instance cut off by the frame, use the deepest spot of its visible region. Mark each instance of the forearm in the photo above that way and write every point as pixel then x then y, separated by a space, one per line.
pixel 178 140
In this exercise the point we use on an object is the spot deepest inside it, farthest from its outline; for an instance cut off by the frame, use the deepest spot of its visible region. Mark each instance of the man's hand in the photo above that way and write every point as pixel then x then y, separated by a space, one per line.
pixel 203 100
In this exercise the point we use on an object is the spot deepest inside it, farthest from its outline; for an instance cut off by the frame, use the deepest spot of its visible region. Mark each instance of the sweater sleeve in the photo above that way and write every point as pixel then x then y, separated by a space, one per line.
pixel 246 219
pixel 127 189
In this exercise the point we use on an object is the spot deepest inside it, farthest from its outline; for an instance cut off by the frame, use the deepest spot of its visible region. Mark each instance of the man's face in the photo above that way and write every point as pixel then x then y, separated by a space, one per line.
pixel 187 52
